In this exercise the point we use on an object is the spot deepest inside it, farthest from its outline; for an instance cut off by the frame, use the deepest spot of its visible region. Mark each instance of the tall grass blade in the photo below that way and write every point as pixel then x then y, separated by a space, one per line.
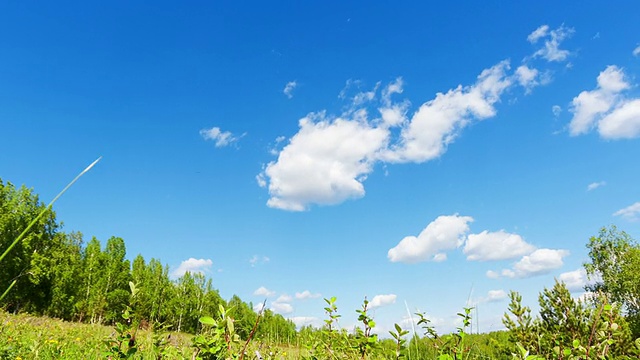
pixel 44 211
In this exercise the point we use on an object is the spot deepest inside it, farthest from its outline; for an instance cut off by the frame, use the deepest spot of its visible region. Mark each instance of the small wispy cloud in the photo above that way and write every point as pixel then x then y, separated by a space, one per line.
pixel 257 260
pixel 221 138
pixel 636 51
pixel 552 39
pixel 494 296
pixel 307 295
pixel 595 185
pixel 288 89
pixel 556 110
pixel 527 77
pixel 301 321
pixel 193 266
pixel 631 212
pixel 281 308
pixel 263 291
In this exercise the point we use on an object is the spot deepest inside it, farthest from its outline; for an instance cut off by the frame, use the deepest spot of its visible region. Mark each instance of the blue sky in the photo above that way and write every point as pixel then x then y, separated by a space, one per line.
pixel 427 156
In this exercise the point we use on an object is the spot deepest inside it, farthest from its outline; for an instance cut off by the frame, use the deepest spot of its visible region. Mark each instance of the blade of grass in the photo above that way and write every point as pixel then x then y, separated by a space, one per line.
pixel 44 211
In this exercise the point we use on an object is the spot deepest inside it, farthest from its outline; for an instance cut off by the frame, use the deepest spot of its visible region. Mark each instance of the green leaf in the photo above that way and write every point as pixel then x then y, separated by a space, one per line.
pixel 207 320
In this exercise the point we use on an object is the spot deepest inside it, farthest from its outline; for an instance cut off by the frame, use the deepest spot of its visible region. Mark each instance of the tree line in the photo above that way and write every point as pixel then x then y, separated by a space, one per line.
pixel 57 274
pixel 60 275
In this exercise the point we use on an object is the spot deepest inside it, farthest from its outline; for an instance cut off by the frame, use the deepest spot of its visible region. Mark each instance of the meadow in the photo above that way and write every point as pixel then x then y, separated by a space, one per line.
pixel 65 299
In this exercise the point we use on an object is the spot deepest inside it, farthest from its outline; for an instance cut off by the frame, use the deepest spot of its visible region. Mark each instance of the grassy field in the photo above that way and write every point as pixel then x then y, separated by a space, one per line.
pixel 28 337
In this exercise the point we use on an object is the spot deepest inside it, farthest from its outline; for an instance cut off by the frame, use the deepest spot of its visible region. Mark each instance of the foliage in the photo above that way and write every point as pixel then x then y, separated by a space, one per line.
pixel 568 328
pixel 55 274
pixel 615 259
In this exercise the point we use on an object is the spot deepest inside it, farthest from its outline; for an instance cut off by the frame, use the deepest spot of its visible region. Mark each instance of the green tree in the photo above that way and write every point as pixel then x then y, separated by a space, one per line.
pixel 117 274
pixel 18 207
pixel 615 260
pixel 63 267
pixel 92 301
pixel 522 328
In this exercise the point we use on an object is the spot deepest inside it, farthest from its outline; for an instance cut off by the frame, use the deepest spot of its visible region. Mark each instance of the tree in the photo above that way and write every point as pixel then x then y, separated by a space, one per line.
pixel 18 207
pixel 615 260
pixel 63 268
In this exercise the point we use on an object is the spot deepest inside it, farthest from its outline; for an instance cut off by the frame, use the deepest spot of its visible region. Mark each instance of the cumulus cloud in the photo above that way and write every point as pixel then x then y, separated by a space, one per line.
pixel 539 262
pixel 329 158
pixel 636 51
pixel 444 233
pixel 498 245
pixel 263 291
pixel 595 185
pixel 306 295
pixel 324 163
pixel 288 89
pixel 221 138
pixel 281 308
pixel 495 295
pixel 574 280
pixel 552 39
pixel 614 115
pixel 382 300
pixel 193 266
pixel 631 212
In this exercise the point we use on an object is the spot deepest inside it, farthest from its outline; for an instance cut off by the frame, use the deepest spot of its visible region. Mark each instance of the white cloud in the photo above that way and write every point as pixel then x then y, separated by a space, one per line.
pixel 444 233
pixel 538 33
pixel 623 122
pixel 526 77
pixel 263 291
pixel 492 274
pixel 438 122
pixel 495 295
pixel 539 262
pixel 306 295
pixel 284 298
pixel 382 300
pixel 257 260
pixel 605 108
pixel 551 50
pixel 574 280
pixel 631 212
pixel 324 163
pixel 288 89
pixel 439 257
pixel 259 307
pixel 221 138
pixel 193 266
pixel 556 110
pixel 595 185
pixel 498 245
pixel 301 321
pixel 330 157
pixel 636 51
pixel 281 308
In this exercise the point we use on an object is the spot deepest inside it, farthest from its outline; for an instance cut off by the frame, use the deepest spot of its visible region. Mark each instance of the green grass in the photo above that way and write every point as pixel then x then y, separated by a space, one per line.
pixel 29 337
